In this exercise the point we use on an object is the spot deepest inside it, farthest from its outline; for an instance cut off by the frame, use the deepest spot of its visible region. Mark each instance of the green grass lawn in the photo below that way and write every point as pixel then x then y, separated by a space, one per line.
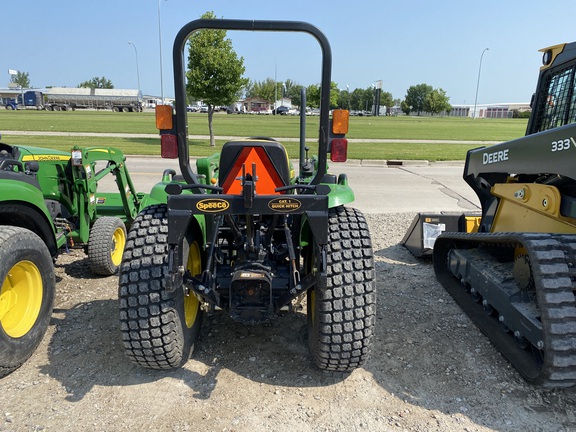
pixel 447 129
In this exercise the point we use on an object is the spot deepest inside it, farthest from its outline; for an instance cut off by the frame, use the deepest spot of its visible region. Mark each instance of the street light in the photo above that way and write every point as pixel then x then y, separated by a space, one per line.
pixel 348 90
pixel 137 67
pixel 160 40
pixel 478 83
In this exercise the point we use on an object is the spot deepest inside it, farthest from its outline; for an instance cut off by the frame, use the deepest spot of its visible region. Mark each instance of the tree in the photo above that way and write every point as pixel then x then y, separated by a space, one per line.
pixel 416 95
pixel 20 79
pixel 405 107
pixel 356 97
pixel 436 101
pixel 386 99
pixel 294 92
pixel 313 95
pixel 334 93
pixel 344 99
pixel 97 82
pixel 362 99
pixel 214 70
pixel 262 89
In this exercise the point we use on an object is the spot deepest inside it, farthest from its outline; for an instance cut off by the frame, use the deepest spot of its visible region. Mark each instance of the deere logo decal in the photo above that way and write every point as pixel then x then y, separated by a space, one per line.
pixel 284 204
pixel 212 205
pixel 45 158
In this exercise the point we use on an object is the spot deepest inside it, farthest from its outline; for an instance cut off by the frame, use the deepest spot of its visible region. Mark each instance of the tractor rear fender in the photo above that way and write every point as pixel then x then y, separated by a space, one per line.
pixel 27 215
pixel 182 224
pixel 340 194
pixel 157 195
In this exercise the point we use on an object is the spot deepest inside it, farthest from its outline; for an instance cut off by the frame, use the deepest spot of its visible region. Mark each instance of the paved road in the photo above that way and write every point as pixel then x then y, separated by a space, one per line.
pixel 224 137
pixel 412 187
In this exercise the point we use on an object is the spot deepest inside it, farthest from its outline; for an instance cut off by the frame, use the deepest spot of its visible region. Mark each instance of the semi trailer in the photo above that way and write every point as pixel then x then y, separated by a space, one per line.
pixel 69 99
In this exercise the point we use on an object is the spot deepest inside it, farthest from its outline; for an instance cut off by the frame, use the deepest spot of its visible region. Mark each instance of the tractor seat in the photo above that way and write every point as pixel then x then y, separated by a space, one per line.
pixel 269 157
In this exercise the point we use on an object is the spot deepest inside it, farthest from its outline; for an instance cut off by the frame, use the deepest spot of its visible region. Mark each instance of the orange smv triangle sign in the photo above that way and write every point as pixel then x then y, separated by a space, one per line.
pixel 267 176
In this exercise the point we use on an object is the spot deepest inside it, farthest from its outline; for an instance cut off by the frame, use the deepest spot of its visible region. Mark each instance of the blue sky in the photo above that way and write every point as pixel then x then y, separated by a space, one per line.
pixel 401 43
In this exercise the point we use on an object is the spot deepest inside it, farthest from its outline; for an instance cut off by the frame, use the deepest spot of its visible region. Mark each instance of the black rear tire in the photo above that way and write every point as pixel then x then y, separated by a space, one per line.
pixel 26 295
pixel 341 315
pixel 106 245
pixel 159 328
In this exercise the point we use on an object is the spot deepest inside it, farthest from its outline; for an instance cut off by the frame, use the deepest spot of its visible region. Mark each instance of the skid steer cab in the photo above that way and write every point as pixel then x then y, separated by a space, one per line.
pixel 249 234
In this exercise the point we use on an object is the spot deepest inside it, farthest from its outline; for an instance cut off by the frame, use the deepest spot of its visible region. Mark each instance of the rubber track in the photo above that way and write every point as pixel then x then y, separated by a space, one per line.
pixel 552 258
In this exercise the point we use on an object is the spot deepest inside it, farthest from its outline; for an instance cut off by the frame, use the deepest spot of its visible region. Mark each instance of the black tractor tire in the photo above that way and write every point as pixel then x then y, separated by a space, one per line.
pixel 159 328
pixel 341 315
pixel 27 286
pixel 106 245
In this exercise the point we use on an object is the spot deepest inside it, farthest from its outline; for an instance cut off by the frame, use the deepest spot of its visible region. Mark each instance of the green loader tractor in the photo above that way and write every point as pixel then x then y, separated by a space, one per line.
pixel 244 234
pixel 50 202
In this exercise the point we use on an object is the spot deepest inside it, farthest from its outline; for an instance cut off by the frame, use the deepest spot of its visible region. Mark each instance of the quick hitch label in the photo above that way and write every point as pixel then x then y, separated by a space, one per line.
pixel 284 204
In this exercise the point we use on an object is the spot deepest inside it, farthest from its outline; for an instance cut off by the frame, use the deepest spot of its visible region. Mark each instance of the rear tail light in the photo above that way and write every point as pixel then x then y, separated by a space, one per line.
pixel 339 150
pixel 168 146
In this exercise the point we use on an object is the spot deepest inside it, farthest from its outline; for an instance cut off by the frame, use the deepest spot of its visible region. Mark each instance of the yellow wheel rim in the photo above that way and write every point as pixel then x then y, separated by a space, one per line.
pixel 191 303
pixel 20 299
pixel 118 244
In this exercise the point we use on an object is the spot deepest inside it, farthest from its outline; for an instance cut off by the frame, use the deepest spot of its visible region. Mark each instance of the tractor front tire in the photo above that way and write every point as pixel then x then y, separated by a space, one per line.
pixel 26 295
pixel 159 328
pixel 106 245
pixel 341 315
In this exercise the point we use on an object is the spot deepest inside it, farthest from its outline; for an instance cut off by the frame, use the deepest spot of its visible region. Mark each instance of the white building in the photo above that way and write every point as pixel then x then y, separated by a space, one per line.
pixel 500 110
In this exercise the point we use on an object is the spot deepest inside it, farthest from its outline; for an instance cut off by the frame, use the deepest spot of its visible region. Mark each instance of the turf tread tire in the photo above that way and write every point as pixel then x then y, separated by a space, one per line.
pixel 100 245
pixel 152 323
pixel 341 332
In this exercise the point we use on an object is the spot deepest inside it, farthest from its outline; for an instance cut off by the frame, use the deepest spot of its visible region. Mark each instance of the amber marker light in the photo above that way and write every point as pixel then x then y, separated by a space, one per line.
pixel 340 120
pixel 163 117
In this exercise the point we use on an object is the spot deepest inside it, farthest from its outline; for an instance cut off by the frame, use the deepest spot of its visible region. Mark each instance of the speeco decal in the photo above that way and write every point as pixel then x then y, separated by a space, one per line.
pixel 212 205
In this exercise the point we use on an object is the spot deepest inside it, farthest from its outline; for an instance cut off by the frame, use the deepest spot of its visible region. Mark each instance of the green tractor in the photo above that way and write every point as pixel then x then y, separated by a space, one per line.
pixel 50 202
pixel 245 235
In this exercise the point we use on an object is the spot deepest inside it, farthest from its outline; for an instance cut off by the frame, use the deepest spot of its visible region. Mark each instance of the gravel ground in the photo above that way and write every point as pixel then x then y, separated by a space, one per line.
pixel 431 369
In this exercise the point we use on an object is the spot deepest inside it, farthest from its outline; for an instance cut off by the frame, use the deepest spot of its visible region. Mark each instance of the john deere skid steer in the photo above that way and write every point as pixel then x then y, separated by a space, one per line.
pixel 516 276
pixel 244 234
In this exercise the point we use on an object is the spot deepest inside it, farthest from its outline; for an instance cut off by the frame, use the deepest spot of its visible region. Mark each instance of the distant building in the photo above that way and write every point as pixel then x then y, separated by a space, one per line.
pixel 501 110
pixel 149 101
pixel 256 104
pixel 7 95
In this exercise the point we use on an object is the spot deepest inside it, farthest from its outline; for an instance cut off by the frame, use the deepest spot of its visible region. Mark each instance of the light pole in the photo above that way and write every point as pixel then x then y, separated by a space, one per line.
pixel 160 41
pixel 275 87
pixel 137 67
pixel 478 83
pixel 348 90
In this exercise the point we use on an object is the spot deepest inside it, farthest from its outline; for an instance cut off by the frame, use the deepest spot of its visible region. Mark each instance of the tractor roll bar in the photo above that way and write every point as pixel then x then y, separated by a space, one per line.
pixel 248 25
